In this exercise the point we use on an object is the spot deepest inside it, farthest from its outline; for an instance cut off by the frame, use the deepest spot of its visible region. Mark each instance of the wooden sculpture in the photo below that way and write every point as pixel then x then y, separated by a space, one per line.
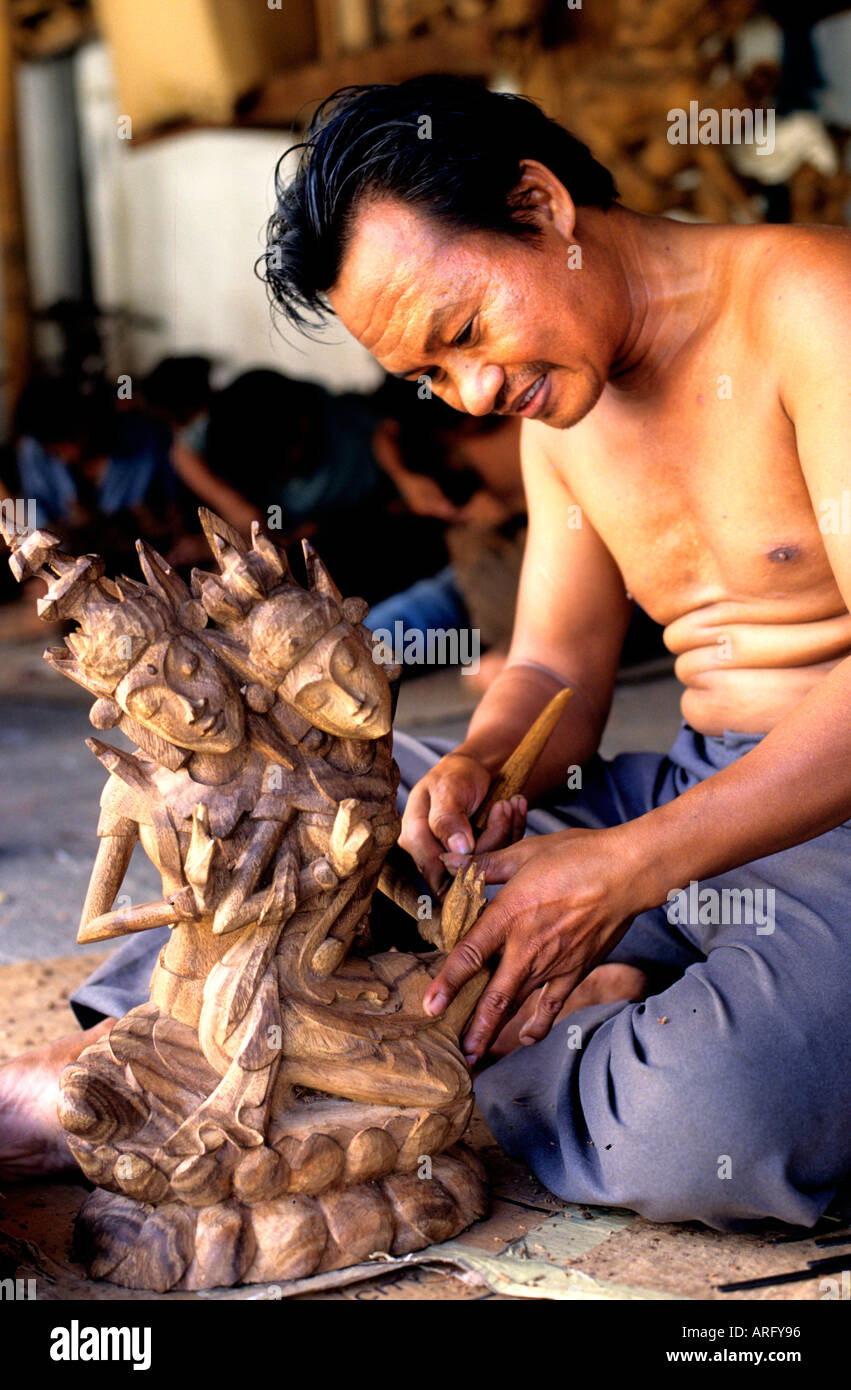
pixel 282 1105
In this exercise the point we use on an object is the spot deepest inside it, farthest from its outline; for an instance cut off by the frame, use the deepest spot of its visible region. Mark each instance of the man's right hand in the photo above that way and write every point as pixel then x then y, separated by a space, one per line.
pixel 437 816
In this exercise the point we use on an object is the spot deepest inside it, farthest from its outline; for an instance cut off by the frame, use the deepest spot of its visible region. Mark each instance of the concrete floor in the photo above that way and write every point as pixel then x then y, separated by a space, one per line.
pixel 50 785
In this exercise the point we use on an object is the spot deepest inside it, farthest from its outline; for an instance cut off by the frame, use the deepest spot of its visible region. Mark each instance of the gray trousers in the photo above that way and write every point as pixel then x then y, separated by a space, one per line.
pixel 724 1096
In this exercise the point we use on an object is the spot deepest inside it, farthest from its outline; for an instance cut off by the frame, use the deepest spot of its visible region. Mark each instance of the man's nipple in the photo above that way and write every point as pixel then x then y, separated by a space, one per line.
pixel 784 552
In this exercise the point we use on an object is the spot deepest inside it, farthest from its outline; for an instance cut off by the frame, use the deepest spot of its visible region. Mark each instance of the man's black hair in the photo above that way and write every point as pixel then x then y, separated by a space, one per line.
pixel 445 145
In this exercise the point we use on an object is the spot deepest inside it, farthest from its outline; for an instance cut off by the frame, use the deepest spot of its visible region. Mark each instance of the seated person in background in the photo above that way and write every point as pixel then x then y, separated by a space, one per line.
pixel 286 444
pixel 97 474
pixel 80 456
pixel 178 390
pixel 302 461
pixel 475 469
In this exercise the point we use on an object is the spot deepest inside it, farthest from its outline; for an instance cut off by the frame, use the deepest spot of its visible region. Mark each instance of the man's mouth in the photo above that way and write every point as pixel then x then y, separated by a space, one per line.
pixel 213 724
pixel 532 400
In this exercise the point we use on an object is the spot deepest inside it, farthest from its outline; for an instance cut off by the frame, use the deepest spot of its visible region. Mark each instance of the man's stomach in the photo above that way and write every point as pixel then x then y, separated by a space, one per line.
pixel 745 676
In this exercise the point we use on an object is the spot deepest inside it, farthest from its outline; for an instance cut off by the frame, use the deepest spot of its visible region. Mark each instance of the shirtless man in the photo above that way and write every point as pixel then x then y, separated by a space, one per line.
pixel 686 417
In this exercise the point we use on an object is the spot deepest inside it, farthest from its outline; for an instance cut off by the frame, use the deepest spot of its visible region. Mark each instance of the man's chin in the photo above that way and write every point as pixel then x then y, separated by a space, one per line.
pixel 565 419
pixel 563 415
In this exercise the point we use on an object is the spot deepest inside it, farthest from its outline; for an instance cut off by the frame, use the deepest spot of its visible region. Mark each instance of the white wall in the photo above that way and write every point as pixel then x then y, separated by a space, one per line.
pixel 49 174
pixel 176 225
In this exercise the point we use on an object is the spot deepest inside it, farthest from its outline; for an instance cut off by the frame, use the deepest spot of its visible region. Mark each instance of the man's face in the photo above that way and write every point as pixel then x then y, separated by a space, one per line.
pixel 496 324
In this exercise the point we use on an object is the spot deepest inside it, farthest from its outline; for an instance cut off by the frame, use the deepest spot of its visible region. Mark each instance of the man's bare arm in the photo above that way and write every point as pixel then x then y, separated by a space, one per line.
pixel 212 490
pixel 572 614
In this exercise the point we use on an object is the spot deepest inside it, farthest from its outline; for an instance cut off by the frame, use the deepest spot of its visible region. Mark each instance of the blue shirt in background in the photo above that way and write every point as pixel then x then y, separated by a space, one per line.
pixel 138 465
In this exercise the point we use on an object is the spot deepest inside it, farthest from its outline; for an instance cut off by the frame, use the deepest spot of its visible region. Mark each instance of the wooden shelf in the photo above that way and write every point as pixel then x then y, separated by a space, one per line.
pixel 290 97
pixel 293 95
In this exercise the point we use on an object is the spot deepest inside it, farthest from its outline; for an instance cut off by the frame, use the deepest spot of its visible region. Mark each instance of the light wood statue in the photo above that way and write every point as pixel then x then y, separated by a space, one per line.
pixel 282 1106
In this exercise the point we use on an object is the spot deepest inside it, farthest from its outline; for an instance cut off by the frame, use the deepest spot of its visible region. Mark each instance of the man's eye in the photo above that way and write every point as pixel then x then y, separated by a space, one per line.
pixel 465 334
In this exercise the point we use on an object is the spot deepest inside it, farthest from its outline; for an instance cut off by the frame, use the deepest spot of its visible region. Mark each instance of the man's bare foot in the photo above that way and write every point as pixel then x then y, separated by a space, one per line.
pixel 605 985
pixel 32 1141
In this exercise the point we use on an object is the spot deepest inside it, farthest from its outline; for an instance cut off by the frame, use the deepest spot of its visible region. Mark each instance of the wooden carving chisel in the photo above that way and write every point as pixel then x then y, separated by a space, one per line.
pixel 509 781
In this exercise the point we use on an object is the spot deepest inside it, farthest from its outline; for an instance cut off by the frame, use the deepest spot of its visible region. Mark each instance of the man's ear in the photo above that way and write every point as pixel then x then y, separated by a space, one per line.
pixel 545 197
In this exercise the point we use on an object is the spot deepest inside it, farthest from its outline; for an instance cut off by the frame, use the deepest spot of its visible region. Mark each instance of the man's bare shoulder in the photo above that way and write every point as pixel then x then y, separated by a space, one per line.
pixel 798 284
pixel 543 463
pixel 540 444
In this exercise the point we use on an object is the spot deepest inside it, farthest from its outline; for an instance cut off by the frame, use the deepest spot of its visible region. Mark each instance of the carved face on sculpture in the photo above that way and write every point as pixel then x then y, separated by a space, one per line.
pixel 339 688
pixel 182 692
pixel 319 662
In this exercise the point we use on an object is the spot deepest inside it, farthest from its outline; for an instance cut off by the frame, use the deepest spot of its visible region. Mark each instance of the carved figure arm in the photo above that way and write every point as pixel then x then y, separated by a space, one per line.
pixel 97 922
pixel 240 904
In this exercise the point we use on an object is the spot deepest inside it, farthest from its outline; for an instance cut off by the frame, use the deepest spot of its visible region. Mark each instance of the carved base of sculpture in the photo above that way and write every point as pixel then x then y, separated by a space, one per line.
pixel 193 1196
pixel 177 1246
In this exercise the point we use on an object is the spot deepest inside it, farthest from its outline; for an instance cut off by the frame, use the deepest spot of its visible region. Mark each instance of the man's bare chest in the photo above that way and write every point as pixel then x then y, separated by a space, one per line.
pixel 700 496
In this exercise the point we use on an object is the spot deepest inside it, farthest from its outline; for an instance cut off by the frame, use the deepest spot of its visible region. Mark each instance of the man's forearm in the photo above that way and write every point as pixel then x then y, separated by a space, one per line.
pixel 212 490
pixel 512 704
pixel 794 785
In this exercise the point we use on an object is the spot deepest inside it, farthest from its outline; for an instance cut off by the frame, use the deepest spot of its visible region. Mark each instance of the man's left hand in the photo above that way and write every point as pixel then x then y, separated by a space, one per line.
pixel 568 899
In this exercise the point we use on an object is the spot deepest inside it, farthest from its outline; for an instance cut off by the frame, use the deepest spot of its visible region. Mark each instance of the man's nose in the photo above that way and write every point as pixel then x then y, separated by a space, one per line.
pixel 478 388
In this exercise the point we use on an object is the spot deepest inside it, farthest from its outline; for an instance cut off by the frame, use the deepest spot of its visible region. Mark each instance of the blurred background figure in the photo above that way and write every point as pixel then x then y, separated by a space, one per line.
pixel 468 469
pixel 96 475
pixel 304 462
pixel 83 460
pixel 178 389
